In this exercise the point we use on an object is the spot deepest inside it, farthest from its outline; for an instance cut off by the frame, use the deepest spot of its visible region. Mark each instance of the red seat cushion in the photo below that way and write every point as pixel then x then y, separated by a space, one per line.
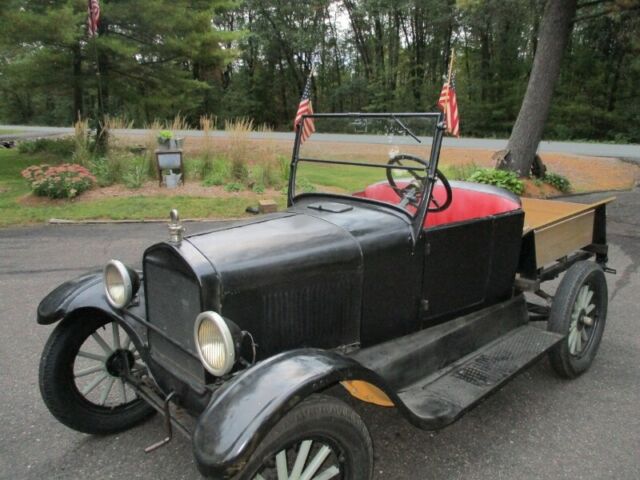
pixel 467 203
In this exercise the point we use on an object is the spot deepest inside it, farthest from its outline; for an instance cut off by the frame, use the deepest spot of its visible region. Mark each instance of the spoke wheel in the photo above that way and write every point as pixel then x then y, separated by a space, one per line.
pixel 81 376
pixel 579 311
pixel 306 460
pixel 320 439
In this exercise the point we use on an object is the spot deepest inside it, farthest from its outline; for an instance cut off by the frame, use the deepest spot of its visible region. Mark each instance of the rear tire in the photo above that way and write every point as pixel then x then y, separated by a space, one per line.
pixel 579 311
pixel 319 422
pixel 62 383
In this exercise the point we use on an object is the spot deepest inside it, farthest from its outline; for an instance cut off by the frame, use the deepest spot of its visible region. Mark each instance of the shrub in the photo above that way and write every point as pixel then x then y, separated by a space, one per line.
pixel 304 185
pixel 258 188
pixel 135 174
pixel 62 181
pixel 82 142
pixel 103 173
pixel 110 169
pixel 218 173
pixel 500 178
pixel 233 187
pixel 559 181
pixel 285 167
pixel 460 172
pixel 61 147
pixel 239 131
pixel 267 175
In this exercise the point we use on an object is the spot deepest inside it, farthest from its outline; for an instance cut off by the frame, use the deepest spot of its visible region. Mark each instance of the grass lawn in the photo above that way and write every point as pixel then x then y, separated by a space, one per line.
pixel 13 188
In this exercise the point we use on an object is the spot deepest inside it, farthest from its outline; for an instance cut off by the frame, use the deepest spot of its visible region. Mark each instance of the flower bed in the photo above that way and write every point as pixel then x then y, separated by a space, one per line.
pixel 61 181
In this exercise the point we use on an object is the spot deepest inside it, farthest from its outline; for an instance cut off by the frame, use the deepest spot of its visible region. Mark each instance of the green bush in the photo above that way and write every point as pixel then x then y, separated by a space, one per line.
pixel 459 172
pixel 233 187
pixel 285 167
pixel 62 181
pixel 135 174
pixel 500 178
pixel 60 147
pixel 267 175
pixel 218 173
pixel 304 185
pixel 559 181
pixel 239 170
pixel 110 169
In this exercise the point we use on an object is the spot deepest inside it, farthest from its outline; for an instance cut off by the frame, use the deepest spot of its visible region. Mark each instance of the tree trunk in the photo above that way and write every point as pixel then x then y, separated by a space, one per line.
pixel 78 105
pixel 527 132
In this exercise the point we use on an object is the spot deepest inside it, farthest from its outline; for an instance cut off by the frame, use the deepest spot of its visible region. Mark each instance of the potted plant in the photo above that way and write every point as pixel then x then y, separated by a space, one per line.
pixel 164 138
pixel 168 142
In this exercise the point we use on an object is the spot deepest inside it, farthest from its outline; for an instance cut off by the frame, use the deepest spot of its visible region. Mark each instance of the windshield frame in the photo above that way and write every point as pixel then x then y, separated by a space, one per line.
pixel 418 218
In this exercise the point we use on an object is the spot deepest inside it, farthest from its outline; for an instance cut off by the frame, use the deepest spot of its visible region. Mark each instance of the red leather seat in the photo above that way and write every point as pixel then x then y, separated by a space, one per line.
pixel 469 201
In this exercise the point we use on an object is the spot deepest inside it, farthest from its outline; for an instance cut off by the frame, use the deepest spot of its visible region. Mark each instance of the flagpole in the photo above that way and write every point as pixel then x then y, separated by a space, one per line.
pixel 453 57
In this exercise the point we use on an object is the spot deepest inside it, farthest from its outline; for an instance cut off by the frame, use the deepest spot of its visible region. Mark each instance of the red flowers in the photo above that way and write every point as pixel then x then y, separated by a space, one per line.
pixel 60 181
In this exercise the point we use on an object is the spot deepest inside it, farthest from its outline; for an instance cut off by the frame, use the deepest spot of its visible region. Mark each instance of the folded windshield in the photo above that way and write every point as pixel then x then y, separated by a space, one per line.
pixel 382 157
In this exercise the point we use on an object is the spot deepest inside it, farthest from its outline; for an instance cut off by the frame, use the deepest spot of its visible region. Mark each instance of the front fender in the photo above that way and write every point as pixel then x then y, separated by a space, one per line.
pixel 245 409
pixel 85 291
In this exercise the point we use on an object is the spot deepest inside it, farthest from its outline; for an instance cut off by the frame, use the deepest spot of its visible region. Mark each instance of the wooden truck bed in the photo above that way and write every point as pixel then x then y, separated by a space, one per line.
pixel 559 228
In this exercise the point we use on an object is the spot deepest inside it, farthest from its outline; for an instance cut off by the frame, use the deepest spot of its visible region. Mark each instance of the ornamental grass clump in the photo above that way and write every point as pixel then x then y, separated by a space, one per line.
pixel 61 181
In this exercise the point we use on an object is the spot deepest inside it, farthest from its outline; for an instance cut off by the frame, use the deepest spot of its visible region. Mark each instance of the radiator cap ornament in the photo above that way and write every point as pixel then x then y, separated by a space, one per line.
pixel 176 230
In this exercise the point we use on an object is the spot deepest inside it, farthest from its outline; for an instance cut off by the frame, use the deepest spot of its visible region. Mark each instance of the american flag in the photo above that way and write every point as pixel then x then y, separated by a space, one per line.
pixel 305 108
pixel 93 16
pixel 449 105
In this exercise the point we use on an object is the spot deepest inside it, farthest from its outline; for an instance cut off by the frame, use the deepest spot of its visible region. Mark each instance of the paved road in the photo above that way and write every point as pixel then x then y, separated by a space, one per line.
pixel 537 427
pixel 631 152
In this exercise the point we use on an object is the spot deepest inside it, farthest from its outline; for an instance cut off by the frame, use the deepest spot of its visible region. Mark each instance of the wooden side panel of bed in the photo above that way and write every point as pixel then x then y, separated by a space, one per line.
pixel 559 228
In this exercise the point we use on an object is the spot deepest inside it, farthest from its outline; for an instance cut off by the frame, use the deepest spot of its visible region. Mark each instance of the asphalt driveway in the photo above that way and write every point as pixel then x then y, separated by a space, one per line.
pixel 537 427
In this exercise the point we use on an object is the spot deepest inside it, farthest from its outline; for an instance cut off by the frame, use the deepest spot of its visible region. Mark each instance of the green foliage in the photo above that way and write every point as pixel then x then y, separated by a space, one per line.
pixel 233 187
pixel 285 167
pixel 165 135
pixel 135 173
pixel 560 182
pixel 499 178
pixel 267 175
pixel 239 170
pixel 258 188
pixel 63 148
pixel 61 181
pixel 459 172
pixel 218 174
pixel 375 56
pixel 304 185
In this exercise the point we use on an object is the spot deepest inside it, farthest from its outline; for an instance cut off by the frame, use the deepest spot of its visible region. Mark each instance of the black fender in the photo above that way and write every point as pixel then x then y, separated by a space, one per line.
pixel 86 292
pixel 246 408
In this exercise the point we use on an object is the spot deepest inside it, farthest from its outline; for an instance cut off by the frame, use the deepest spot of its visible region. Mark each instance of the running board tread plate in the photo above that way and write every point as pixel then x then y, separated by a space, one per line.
pixel 441 398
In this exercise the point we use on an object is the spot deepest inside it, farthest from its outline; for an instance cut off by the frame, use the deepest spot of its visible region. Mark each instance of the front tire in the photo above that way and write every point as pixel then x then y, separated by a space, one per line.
pixel 322 438
pixel 579 311
pixel 79 379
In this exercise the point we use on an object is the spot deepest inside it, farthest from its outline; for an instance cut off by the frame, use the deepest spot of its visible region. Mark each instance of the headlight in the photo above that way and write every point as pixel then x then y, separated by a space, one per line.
pixel 215 343
pixel 120 283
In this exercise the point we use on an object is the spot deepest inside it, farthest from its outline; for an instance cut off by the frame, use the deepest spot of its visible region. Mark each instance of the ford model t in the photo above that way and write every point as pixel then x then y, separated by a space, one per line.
pixel 408 292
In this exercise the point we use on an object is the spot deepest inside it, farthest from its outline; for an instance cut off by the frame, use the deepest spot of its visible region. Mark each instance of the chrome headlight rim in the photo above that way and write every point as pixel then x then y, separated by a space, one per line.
pixel 127 283
pixel 227 341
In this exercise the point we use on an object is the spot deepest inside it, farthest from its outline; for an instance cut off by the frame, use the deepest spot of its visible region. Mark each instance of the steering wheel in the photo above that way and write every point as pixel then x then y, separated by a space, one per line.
pixel 412 192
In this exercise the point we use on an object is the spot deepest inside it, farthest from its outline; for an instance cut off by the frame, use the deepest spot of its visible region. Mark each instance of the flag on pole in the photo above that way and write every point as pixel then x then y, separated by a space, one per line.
pixel 305 108
pixel 93 16
pixel 448 103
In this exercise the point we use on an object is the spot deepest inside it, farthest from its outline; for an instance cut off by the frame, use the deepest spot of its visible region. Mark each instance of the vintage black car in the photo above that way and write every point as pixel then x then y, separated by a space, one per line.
pixel 410 293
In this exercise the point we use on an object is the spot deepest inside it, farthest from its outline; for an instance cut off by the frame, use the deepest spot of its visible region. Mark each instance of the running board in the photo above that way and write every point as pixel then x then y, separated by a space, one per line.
pixel 443 397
